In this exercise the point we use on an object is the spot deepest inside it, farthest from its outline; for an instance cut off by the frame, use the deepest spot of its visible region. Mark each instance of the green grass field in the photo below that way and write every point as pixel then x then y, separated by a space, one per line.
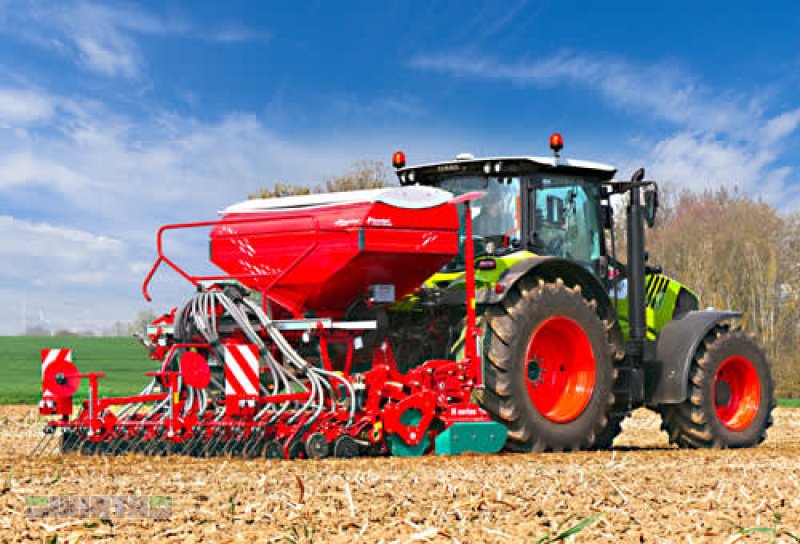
pixel 122 359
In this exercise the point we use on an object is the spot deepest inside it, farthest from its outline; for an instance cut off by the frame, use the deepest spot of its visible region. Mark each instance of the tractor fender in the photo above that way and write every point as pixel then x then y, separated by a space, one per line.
pixel 550 269
pixel 667 377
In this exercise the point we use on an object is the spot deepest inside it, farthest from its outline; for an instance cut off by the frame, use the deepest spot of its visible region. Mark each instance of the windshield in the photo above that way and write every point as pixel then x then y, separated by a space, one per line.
pixel 496 215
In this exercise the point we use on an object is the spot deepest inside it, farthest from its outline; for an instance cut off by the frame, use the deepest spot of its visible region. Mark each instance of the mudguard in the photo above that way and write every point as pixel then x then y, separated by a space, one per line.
pixel 572 273
pixel 667 377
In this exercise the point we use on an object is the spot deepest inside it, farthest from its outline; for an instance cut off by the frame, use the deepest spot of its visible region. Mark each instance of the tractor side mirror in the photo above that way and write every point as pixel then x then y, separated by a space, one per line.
pixel 650 207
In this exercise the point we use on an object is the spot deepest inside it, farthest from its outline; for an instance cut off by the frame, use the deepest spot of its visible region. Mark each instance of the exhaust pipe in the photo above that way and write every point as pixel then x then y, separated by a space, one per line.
pixel 637 324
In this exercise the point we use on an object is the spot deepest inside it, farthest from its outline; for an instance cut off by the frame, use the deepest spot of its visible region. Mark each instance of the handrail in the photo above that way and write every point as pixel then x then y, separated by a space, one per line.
pixel 195 280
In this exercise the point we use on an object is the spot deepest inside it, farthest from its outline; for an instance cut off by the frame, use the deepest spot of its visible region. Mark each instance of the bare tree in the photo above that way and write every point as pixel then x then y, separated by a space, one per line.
pixel 143 319
pixel 364 174
pixel 280 189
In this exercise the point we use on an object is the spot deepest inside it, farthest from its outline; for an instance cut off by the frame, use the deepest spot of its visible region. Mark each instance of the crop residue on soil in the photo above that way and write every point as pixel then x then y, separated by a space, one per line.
pixel 644 491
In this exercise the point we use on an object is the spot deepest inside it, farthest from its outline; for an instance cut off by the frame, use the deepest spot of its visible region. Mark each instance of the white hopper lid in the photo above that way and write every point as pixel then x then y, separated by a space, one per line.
pixel 411 197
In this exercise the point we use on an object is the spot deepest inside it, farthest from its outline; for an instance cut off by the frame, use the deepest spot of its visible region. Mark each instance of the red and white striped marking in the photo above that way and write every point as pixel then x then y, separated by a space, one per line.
pixel 241 370
pixel 50 356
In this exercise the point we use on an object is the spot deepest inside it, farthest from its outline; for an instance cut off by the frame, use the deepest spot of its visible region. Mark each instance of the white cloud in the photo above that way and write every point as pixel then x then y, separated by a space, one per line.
pixel 51 263
pixel 782 125
pixel 702 161
pixel 662 89
pixel 236 33
pixel 103 38
pixel 27 169
pixel 109 56
pixel 23 238
pixel 96 36
pixel 21 107
pixel 350 106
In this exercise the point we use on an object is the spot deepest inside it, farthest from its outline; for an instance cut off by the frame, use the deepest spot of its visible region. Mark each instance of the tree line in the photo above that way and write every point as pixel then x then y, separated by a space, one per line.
pixel 118 328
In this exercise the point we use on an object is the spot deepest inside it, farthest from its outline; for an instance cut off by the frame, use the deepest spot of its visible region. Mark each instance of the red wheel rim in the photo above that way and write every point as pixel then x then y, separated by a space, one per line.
pixel 560 369
pixel 736 393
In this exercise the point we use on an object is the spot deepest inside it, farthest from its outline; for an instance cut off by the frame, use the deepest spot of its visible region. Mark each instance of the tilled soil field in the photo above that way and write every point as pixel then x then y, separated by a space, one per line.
pixel 643 491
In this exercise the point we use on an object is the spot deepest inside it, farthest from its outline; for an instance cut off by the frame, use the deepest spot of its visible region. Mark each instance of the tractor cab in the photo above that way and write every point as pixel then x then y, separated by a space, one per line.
pixel 545 206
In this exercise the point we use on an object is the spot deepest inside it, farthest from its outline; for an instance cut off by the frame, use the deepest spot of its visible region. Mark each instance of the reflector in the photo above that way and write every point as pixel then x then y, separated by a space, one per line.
pixel 61 378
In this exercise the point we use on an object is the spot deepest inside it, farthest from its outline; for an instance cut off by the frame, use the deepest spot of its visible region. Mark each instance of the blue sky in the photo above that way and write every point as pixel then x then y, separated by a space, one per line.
pixel 117 118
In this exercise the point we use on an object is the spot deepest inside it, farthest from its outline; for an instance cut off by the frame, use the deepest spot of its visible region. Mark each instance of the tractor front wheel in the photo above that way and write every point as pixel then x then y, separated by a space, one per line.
pixel 548 368
pixel 731 395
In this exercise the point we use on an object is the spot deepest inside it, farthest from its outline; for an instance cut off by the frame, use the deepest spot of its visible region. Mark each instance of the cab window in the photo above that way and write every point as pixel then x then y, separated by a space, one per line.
pixel 565 218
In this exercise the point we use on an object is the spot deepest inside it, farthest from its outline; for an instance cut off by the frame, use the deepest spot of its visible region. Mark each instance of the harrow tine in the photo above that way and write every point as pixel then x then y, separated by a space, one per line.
pixel 35 449
pixel 55 447
pixel 211 449
pixel 155 447
pixel 132 445
pixel 207 447
pixel 251 446
pixel 176 448
pixel 42 444
pixel 88 447
pixel 123 446
pixel 190 447
pixel 144 445
pixel 101 448
pixel 113 445
pixel 230 448
pixel 68 442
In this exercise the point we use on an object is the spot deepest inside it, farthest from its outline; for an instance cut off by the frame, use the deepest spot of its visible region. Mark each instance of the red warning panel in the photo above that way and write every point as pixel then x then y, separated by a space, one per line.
pixel 241 370
pixel 59 375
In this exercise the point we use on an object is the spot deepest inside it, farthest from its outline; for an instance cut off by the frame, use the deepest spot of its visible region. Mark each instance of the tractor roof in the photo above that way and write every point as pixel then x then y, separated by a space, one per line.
pixel 508 166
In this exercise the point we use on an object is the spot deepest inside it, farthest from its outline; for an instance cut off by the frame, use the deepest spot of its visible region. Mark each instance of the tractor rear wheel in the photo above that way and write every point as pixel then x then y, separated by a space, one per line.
pixel 605 440
pixel 731 395
pixel 548 368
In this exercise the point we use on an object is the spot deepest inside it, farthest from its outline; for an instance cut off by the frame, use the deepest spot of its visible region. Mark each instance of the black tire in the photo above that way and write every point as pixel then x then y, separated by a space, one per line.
pixel 273 450
pixel 252 446
pixel 605 439
pixel 511 326
pixel 316 446
pixel 701 421
pixel 345 447
pixel 297 450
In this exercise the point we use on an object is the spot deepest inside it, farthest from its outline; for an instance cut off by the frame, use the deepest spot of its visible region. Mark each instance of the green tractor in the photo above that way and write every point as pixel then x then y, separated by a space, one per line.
pixel 572 339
